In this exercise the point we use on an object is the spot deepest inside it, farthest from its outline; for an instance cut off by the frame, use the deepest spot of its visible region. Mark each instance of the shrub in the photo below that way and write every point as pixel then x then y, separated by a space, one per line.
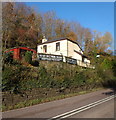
pixel 10 78
pixel 12 75
pixel 43 77
pixel 35 63
pixel 6 75
pixel 8 57
pixel 114 66
pixel 28 57
pixel 106 64
pixel 78 79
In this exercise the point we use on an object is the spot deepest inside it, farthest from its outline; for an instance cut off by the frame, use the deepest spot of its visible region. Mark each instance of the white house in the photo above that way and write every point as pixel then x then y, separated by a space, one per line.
pixel 64 47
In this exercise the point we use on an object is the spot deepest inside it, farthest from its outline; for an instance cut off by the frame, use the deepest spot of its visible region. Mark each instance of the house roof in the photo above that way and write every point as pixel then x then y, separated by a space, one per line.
pixel 61 40
pixel 80 54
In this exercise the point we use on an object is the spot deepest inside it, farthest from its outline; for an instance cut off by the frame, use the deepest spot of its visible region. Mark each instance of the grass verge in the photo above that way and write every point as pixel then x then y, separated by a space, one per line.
pixel 43 100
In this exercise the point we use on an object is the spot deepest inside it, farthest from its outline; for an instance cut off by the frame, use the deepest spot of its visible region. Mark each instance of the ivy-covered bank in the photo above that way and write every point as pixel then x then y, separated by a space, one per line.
pixel 24 82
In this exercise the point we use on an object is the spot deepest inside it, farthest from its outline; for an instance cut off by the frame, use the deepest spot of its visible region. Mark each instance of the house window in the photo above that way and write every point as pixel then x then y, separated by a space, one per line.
pixel 45 48
pixel 58 46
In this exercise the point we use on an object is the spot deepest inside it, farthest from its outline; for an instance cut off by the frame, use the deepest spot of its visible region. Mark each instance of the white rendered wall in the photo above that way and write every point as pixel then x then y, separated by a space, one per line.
pixel 71 47
pixel 51 48
pixel 86 60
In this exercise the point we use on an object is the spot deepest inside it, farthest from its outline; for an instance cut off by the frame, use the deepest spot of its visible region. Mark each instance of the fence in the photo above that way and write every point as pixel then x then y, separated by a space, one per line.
pixel 50 57
pixel 60 58
pixel 71 60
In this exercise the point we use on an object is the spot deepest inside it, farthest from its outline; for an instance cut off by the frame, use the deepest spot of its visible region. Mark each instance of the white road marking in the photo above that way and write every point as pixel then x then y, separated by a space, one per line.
pixel 83 108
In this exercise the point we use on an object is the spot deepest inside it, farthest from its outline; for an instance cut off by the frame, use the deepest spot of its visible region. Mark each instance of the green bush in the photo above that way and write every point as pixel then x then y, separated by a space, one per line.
pixel 8 57
pixel 16 62
pixel 29 84
pixel 114 66
pixel 19 77
pixel 79 79
pixel 28 57
pixel 43 77
pixel 10 79
pixel 12 75
pixel 35 63
pixel 106 64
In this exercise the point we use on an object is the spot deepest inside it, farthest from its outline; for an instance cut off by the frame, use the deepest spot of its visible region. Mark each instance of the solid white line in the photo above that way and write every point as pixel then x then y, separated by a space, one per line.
pixel 84 109
pixel 80 108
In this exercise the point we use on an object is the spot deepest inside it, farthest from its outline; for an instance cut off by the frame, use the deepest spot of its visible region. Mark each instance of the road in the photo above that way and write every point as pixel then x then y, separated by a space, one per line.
pixel 99 104
pixel 105 110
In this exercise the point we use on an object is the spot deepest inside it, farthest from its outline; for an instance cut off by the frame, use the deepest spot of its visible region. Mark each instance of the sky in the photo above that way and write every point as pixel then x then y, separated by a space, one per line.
pixel 94 15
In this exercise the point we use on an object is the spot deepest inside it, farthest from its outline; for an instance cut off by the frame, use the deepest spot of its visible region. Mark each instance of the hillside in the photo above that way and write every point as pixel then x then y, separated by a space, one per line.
pixel 24 84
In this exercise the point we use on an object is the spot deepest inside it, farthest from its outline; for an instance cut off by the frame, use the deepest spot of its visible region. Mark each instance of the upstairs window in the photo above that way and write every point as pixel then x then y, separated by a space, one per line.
pixel 58 46
pixel 45 48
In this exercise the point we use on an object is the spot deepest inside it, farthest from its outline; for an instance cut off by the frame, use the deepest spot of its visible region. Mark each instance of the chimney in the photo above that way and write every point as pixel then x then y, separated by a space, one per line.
pixel 44 39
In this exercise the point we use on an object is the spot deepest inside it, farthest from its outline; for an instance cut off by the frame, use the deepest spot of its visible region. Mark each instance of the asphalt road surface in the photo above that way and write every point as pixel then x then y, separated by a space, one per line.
pixel 99 104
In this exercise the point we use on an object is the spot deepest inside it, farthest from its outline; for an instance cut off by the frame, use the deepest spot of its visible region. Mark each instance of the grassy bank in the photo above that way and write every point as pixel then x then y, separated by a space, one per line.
pixel 43 100
pixel 24 85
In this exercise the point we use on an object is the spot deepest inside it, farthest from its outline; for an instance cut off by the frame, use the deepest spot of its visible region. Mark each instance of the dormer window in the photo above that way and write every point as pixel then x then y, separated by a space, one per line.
pixel 58 46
